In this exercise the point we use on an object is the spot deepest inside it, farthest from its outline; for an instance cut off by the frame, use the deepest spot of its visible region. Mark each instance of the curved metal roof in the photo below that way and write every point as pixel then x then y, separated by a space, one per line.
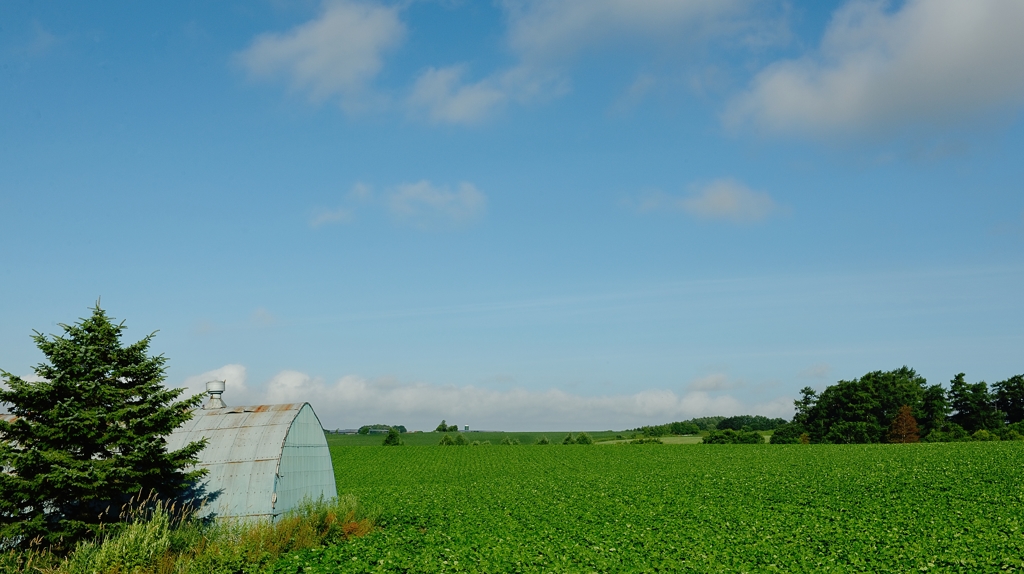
pixel 261 460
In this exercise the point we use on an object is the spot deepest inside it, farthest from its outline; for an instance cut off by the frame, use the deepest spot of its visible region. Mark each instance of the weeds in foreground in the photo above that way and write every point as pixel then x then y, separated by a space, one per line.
pixel 158 544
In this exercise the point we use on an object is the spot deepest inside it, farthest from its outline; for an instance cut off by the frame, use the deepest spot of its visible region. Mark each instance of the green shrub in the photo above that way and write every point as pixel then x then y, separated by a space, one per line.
pixel 787 434
pixel 543 440
pixel 984 435
pixel 446 441
pixel 584 438
pixel 1013 435
pixel 948 432
pixel 460 440
pixel 509 441
pixel 646 440
pixel 729 436
pixel 393 438
pixel 569 439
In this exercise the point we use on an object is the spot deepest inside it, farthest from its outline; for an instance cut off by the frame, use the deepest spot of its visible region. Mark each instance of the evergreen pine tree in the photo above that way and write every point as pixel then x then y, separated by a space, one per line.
pixel 89 435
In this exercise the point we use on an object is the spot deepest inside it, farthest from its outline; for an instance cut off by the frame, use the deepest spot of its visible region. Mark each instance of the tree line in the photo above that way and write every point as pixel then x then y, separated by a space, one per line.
pixel 709 424
pixel 900 406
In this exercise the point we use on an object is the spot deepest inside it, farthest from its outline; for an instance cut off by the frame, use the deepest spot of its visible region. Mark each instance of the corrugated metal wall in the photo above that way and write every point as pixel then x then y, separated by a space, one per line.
pixel 306 468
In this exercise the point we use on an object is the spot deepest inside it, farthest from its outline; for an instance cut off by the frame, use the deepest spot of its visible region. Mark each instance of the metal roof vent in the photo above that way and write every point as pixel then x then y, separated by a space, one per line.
pixel 215 388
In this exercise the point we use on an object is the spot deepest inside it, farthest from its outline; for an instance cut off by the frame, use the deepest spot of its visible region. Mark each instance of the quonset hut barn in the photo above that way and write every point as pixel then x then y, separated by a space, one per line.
pixel 262 460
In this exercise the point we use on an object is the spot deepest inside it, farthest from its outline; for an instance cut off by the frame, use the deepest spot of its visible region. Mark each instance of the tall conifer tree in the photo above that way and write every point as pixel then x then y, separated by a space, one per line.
pixel 89 435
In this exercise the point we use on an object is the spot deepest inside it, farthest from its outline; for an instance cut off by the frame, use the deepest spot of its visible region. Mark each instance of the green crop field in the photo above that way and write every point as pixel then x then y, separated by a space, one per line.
pixel 682 508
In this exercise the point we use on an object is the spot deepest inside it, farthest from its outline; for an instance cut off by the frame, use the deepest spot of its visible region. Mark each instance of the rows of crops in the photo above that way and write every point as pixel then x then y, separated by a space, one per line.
pixel 817 508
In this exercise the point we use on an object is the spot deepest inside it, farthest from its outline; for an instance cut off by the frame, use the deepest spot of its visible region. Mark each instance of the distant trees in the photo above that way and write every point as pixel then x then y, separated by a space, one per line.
pixel 904 427
pixel 750 422
pixel 582 438
pixel 365 429
pixel 899 406
pixel 679 428
pixel 730 436
pixel 445 427
pixel 459 440
pixel 1010 398
pixel 974 407
pixel 787 434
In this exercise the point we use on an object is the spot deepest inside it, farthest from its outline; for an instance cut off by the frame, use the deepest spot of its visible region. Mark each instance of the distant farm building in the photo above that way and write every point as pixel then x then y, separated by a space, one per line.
pixel 261 460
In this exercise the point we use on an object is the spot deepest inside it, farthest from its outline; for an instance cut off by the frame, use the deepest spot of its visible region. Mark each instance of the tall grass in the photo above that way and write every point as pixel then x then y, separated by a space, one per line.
pixel 157 541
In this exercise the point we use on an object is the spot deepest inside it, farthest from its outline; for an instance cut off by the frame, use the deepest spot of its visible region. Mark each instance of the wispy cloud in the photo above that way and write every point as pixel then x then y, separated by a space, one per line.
pixel 724 199
pixel 328 216
pixel 445 98
pixel 352 401
pixel 928 63
pixel 335 55
pixel 556 30
pixel 420 204
pixel 546 36
pixel 715 382
pixel 424 204
pixel 817 371
pixel 339 53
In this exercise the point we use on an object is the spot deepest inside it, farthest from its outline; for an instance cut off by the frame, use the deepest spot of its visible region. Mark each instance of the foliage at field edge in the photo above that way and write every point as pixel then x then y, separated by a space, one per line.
pixel 865 410
pixel 156 540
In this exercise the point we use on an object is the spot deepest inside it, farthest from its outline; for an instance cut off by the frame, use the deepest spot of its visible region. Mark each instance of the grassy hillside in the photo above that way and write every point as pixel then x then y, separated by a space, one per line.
pixel 432 438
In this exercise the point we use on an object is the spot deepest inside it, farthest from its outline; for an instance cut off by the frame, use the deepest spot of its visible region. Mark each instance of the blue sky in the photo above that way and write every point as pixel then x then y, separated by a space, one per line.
pixel 522 214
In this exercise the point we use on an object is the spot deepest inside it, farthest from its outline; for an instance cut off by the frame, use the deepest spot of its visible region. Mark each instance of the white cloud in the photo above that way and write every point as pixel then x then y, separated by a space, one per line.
pixel 352 401
pixel 335 55
pixel 545 36
pixel 731 200
pixel 722 199
pixel 424 204
pixel 446 99
pixel 235 389
pixel 931 62
pixel 547 30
